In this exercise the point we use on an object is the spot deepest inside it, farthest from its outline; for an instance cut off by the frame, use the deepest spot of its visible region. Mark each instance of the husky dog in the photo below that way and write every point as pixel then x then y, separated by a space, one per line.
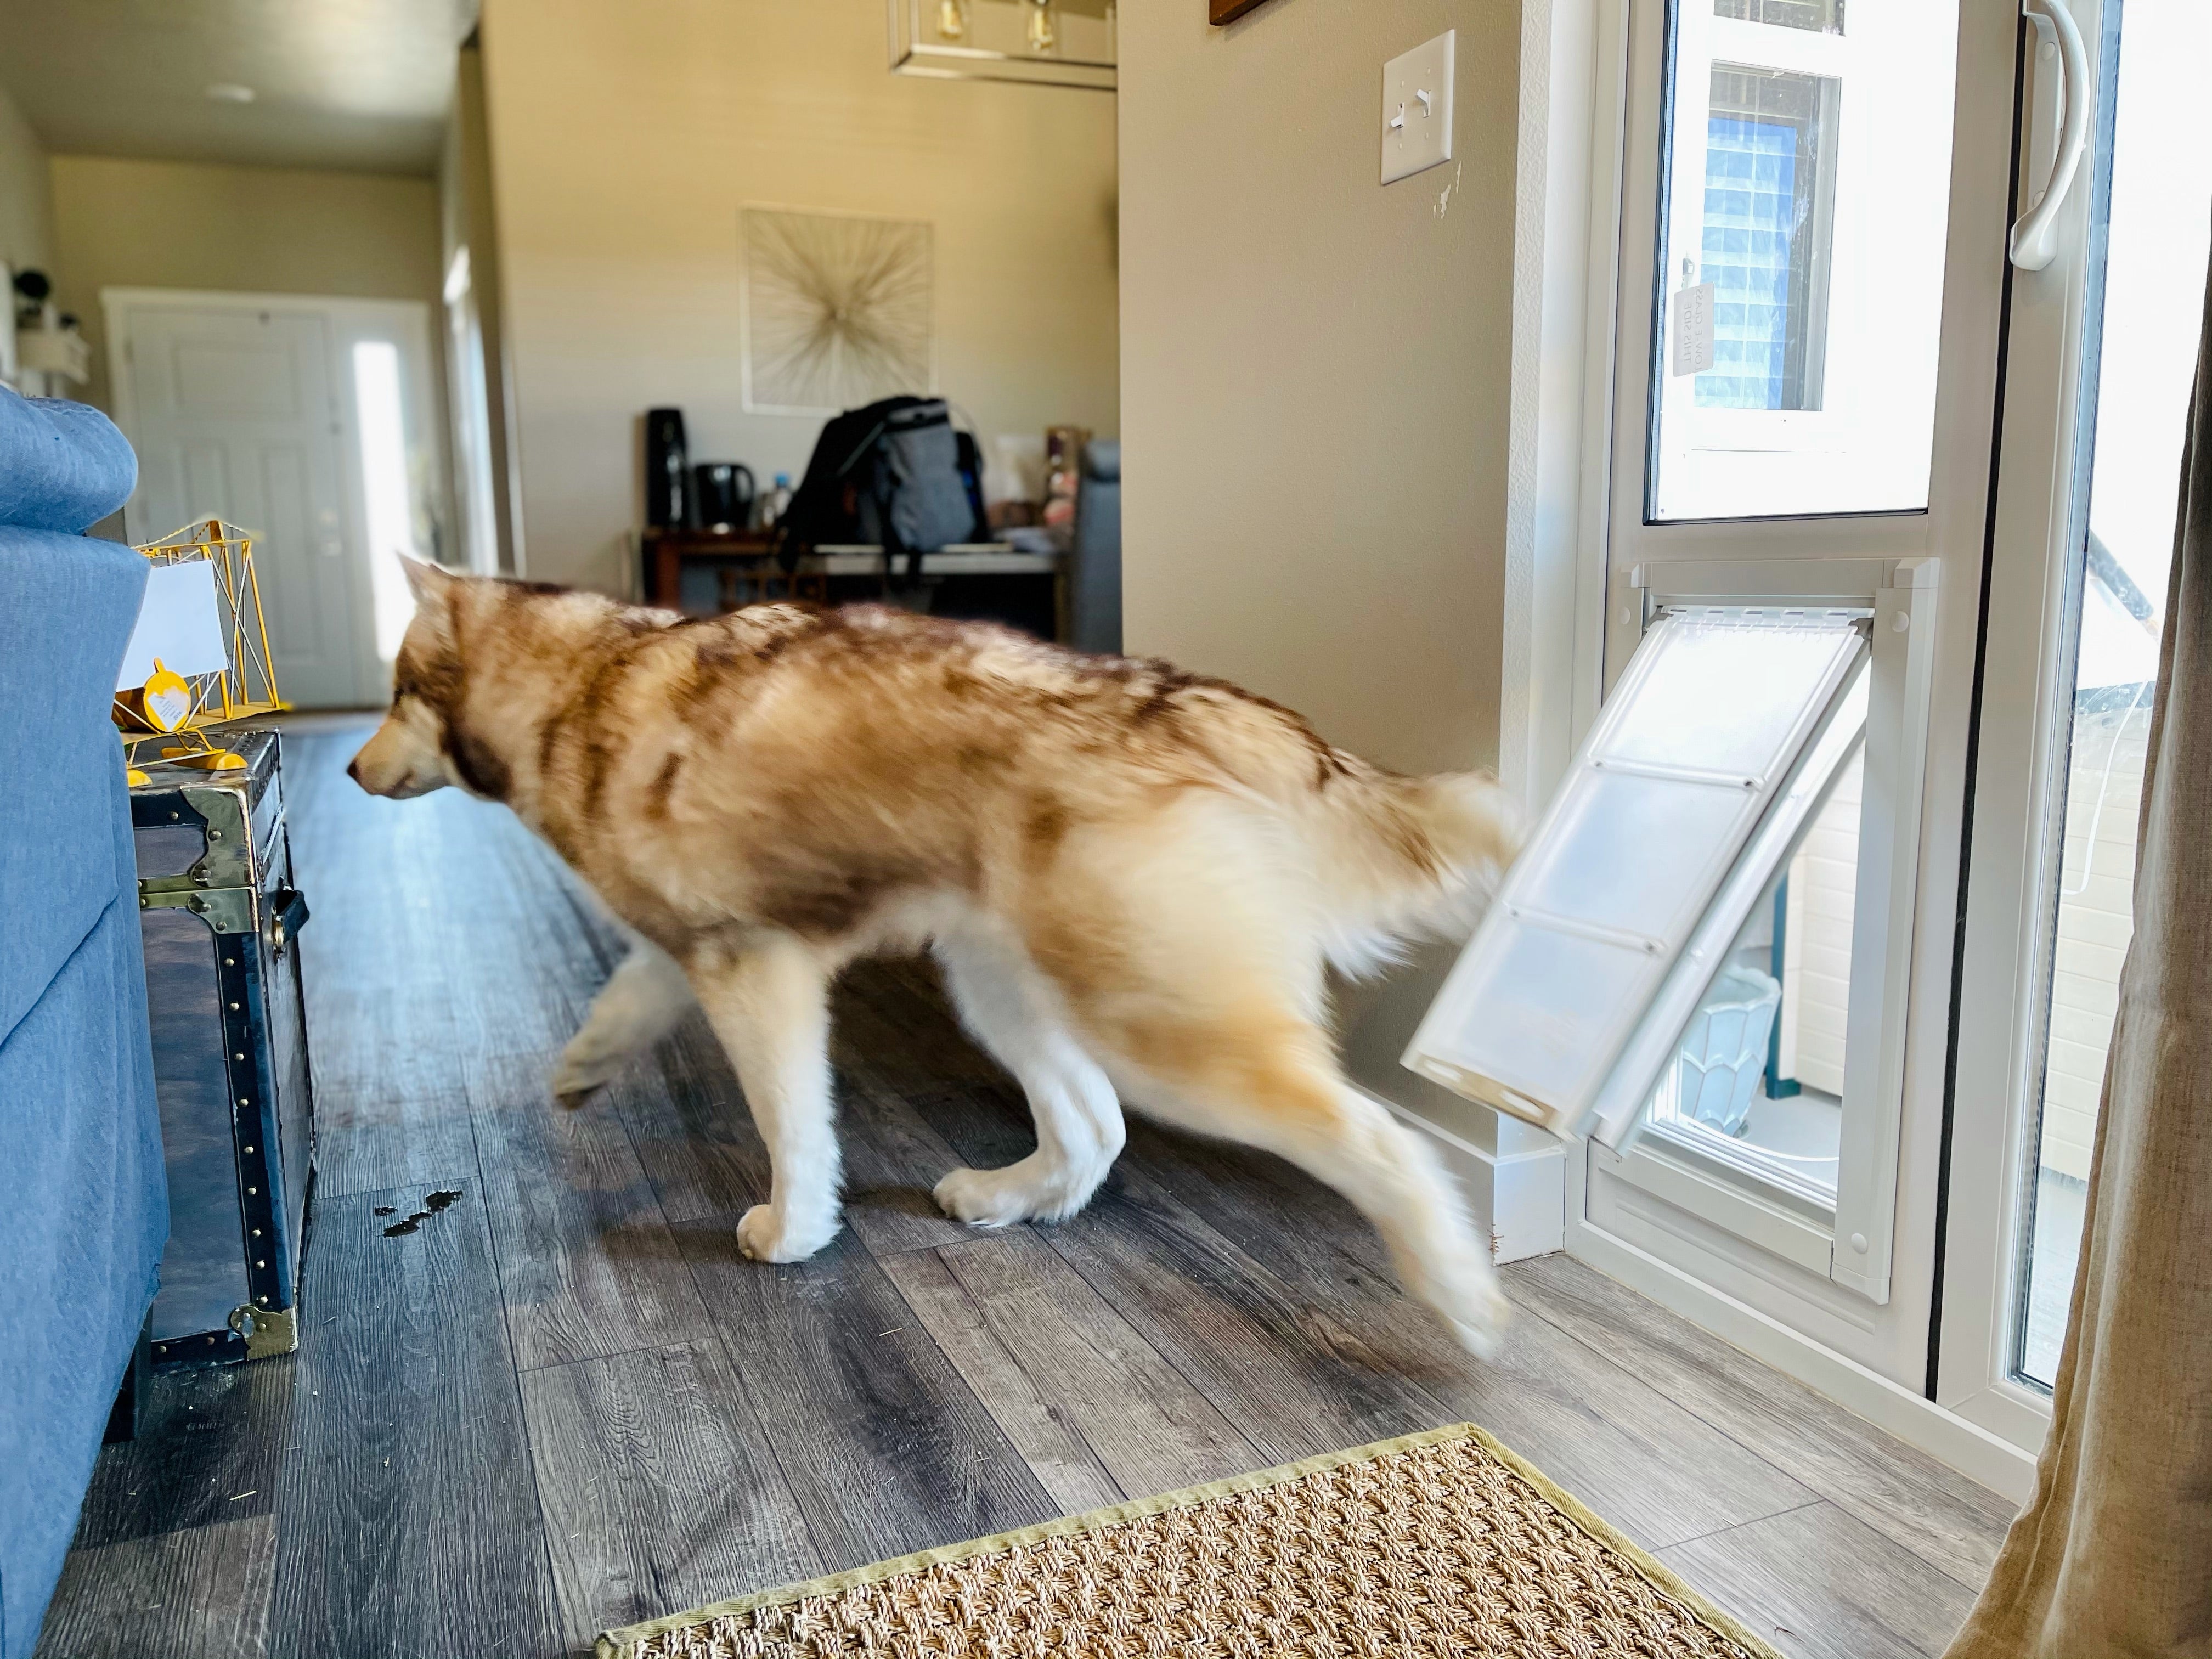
pixel 1132 878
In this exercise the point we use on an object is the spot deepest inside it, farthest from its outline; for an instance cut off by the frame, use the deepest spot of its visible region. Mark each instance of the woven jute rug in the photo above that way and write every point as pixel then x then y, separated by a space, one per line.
pixel 1438 1544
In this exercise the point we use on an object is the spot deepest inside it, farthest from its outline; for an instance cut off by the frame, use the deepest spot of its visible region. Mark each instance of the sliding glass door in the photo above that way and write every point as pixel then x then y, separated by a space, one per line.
pixel 1723 966
pixel 2101 347
pixel 1812 271
pixel 1815 954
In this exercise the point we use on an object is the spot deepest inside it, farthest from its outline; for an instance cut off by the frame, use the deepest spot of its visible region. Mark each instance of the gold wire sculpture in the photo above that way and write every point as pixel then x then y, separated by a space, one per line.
pixel 244 689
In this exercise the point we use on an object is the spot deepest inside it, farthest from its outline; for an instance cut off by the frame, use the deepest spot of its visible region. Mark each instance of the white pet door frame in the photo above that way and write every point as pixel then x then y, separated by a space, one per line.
pixel 1752 688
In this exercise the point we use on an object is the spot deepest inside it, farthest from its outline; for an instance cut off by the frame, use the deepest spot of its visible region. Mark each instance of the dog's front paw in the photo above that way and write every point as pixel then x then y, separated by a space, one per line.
pixel 1000 1198
pixel 582 1074
pixel 764 1236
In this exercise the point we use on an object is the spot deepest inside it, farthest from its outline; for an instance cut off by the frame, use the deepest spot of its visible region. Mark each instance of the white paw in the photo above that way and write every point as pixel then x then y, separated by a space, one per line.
pixel 1477 1311
pixel 582 1072
pixel 1000 1198
pixel 979 1198
pixel 765 1237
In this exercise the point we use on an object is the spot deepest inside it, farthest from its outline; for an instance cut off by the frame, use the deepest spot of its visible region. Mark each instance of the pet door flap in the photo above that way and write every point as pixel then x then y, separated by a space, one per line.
pixel 1707 730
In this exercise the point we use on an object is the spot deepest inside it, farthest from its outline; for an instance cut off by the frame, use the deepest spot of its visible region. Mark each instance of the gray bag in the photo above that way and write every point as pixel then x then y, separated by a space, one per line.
pixel 923 500
pixel 891 474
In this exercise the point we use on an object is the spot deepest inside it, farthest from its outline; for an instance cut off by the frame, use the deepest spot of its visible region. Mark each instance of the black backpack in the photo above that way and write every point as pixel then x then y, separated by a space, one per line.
pixel 895 474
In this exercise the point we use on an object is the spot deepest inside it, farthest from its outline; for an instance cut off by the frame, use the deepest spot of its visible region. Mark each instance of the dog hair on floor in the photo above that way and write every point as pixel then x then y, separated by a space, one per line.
pixel 1132 878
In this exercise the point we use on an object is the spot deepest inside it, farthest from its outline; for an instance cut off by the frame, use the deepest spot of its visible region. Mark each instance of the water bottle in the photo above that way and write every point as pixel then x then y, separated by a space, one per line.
pixel 776 503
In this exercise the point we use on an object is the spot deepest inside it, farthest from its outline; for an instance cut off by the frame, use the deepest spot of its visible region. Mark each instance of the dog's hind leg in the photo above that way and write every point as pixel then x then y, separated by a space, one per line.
pixel 639 1005
pixel 1015 1013
pixel 1273 1084
pixel 1188 945
pixel 770 1005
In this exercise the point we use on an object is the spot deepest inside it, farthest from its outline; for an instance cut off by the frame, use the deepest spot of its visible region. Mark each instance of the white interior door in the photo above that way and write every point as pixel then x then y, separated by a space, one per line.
pixel 234 415
pixel 318 422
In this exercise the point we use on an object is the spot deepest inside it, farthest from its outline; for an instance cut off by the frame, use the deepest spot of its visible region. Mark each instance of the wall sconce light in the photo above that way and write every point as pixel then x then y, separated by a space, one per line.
pixel 1044 34
pixel 1046 43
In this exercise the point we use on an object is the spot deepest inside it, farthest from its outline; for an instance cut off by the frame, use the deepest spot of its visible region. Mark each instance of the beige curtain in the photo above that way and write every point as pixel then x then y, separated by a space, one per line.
pixel 2113 1558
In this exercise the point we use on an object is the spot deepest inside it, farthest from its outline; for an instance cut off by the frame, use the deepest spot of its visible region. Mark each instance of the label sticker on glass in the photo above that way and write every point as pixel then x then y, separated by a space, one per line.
pixel 1694 329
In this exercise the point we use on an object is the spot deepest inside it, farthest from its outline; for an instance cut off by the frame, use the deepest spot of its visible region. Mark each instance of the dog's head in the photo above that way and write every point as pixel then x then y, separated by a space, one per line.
pixel 408 755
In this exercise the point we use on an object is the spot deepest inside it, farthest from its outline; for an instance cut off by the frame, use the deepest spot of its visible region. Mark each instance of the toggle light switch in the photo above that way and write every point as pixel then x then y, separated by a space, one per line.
pixel 1417 109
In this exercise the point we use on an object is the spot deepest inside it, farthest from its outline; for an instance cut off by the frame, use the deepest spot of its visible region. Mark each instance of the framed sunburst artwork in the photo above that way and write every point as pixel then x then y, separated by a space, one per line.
pixel 837 309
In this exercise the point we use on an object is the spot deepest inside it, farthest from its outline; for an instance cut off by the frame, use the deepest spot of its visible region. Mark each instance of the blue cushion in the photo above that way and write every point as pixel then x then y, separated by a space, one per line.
pixel 80 1238
pixel 67 607
pixel 63 465
pixel 80 1234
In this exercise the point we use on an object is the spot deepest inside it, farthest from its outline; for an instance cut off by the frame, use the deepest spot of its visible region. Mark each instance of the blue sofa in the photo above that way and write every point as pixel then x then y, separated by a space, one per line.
pixel 86 1211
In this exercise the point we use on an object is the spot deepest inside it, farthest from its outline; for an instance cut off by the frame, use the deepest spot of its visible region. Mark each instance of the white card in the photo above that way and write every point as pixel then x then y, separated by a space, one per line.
pixel 179 622
pixel 1694 329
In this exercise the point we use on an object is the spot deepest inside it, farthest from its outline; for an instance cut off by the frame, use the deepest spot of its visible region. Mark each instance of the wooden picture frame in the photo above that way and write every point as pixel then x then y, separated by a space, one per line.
pixel 1228 11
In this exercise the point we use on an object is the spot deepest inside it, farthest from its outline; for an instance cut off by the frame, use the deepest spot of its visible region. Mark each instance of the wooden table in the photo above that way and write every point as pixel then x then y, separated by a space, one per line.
pixel 960 559
pixel 749 552
pixel 752 573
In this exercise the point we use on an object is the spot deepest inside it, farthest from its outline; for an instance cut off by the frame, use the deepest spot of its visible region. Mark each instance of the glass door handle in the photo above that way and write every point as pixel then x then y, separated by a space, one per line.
pixel 2058 42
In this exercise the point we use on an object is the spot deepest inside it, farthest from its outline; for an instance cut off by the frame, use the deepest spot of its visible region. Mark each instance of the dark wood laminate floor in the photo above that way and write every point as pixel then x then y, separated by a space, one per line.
pixel 566 1402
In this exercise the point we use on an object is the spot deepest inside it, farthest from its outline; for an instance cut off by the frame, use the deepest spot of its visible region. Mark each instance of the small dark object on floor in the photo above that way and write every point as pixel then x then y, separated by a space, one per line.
pixel 385 1209
pixel 436 1201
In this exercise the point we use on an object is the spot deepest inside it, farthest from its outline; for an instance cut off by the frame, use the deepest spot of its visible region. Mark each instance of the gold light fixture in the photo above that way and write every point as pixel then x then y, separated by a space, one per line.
pixel 1044 33
pixel 1046 43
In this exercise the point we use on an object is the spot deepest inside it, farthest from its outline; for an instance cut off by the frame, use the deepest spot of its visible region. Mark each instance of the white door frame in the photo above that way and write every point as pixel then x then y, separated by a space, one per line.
pixel 2020 768
pixel 1583 291
pixel 1574 92
pixel 405 323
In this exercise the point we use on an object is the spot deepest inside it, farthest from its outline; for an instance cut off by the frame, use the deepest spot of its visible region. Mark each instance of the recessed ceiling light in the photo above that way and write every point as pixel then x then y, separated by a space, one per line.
pixel 230 92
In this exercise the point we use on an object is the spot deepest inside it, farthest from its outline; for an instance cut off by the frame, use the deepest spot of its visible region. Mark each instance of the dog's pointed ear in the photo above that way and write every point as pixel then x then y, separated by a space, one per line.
pixel 427 581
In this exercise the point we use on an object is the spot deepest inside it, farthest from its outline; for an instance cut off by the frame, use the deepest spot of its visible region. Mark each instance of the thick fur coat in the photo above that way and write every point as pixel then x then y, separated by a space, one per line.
pixel 1132 877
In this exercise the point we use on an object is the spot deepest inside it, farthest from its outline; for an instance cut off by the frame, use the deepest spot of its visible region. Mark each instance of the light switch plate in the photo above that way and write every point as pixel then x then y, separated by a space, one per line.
pixel 1417 109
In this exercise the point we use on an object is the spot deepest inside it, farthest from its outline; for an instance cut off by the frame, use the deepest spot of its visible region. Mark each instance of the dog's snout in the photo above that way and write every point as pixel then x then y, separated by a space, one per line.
pixel 353 769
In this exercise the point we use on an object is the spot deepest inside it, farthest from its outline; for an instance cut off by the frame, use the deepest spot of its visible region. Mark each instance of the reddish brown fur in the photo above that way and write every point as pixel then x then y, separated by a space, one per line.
pixel 1164 861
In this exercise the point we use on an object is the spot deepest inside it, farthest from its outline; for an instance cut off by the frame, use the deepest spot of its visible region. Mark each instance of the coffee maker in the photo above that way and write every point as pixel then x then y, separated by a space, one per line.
pixel 723 494
pixel 668 504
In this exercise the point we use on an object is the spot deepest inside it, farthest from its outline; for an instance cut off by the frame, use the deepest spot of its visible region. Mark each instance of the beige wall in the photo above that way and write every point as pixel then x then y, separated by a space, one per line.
pixel 1315 368
pixel 1313 388
pixel 271 230
pixel 623 140
pixel 27 210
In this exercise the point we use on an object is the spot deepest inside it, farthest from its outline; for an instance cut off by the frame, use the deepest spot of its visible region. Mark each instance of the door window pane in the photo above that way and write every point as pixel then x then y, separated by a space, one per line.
pixel 2157 240
pixel 1805 211
pixel 1824 16
pixel 382 410
pixel 1757 1083
pixel 1769 142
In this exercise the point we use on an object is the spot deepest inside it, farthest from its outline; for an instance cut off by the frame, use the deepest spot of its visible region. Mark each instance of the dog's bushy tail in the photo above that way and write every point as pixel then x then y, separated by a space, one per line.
pixel 1398 859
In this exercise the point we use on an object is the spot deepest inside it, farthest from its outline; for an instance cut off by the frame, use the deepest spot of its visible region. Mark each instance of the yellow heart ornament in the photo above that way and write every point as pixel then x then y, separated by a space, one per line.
pixel 163 704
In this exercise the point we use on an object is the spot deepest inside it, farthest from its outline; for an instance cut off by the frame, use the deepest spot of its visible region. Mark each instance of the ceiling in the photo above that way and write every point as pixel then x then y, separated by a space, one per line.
pixel 356 84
